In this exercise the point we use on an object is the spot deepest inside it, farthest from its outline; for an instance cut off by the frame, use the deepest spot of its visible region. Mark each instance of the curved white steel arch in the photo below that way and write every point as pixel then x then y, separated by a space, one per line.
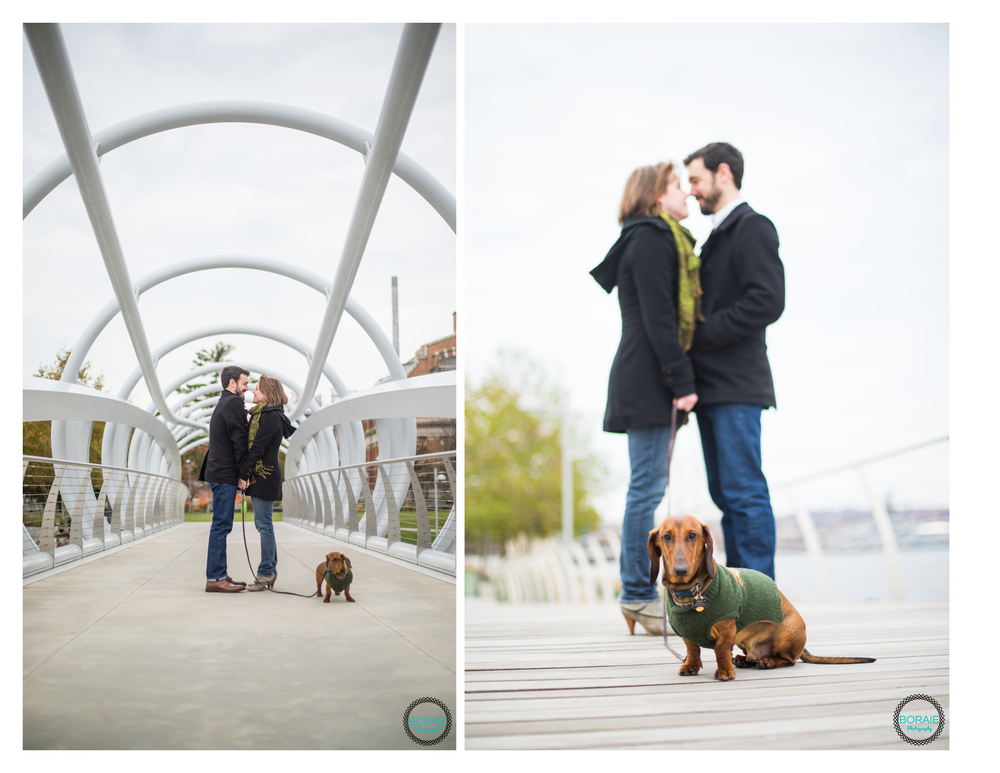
pixel 431 395
pixel 274 266
pixel 72 439
pixel 268 113
pixel 230 328
pixel 116 443
pixel 54 69
pixel 383 156
pixel 328 449
pixel 45 399
pixel 68 439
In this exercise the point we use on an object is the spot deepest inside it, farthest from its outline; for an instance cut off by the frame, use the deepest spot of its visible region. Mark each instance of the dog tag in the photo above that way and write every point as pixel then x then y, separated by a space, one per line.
pixel 699 603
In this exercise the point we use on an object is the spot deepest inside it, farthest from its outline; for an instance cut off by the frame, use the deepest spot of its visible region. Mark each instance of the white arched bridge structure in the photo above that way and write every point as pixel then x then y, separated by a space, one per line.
pixel 330 486
pixel 123 649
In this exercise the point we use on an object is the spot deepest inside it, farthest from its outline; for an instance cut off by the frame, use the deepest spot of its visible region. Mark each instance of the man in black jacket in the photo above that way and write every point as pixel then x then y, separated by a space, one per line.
pixel 226 471
pixel 743 285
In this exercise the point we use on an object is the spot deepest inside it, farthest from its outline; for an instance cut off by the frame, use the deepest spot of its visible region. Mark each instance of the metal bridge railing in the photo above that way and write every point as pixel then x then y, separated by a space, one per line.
pixel 402 507
pixel 72 510
pixel 890 495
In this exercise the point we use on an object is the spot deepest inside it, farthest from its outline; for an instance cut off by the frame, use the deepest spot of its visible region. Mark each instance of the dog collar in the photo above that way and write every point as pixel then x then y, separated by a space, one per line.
pixel 697 600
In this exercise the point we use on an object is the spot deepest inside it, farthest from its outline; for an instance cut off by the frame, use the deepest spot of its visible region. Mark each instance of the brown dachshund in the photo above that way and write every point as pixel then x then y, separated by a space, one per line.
pixel 698 610
pixel 336 570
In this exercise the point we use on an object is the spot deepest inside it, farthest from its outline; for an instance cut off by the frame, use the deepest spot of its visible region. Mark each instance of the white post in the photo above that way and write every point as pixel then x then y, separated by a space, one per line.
pixel 567 480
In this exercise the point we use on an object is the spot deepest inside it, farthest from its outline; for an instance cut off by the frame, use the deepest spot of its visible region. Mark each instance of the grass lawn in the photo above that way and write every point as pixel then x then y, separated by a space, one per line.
pixel 407 522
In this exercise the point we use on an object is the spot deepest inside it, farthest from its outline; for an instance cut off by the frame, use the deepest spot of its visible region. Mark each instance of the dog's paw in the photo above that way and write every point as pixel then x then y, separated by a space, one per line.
pixel 326 600
pixel 725 674
pixel 741 661
pixel 688 669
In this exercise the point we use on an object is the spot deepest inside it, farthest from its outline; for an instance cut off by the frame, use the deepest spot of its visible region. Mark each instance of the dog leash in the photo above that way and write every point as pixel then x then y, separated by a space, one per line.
pixel 243 498
pixel 666 596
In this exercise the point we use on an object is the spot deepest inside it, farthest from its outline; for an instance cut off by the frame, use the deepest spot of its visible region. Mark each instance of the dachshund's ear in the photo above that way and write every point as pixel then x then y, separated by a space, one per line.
pixel 709 550
pixel 347 561
pixel 653 548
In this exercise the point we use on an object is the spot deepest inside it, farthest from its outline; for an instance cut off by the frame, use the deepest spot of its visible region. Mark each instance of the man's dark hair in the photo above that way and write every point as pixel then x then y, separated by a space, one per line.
pixel 232 373
pixel 716 153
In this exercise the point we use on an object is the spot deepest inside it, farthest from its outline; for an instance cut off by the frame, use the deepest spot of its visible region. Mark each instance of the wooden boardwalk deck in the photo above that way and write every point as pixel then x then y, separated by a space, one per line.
pixel 570 677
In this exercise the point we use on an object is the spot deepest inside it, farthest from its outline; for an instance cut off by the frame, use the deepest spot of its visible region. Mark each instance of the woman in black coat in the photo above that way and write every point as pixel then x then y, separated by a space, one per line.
pixel 267 426
pixel 651 371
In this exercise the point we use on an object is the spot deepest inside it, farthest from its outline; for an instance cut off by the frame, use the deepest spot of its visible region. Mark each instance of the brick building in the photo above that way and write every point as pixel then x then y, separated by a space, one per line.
pixel 433 434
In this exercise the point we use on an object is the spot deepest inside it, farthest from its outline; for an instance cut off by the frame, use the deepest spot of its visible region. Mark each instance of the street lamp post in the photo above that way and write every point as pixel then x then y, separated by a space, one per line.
pixel 438 476
pixel 567 479
pixel 566 451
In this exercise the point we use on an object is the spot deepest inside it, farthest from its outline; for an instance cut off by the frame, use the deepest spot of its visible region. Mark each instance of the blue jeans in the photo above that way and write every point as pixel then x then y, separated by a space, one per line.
pixel 730 440
pixel 647 454
pixel 262 512
pixel 223 507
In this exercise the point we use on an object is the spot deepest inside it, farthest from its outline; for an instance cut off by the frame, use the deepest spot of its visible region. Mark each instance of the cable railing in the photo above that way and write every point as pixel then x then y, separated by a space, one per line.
pixel 402 507
pixel 72 510
pixel 892 503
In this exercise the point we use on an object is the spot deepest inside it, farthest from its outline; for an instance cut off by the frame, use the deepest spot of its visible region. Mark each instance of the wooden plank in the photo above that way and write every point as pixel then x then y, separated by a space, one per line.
pixel 556 700
pixel 570 677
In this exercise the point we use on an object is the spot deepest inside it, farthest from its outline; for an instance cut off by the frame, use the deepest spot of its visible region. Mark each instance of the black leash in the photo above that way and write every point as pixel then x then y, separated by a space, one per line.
pixel 250 563
pixel 666 593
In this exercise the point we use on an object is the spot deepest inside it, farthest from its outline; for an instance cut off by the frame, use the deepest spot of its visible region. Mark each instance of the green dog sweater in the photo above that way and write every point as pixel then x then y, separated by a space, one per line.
pixel 747 595
pixel 341 584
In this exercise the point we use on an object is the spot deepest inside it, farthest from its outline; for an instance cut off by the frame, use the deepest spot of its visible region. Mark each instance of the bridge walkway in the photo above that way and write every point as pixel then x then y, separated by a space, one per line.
pixel 129 652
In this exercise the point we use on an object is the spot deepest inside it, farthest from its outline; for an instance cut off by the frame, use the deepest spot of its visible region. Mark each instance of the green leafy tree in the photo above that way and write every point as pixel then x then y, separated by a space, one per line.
pixel 37 435
pixel 513 459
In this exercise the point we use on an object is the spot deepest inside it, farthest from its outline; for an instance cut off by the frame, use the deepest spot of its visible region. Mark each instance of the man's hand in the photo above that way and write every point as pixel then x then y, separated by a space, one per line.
pixel 686 403
pixel 243 484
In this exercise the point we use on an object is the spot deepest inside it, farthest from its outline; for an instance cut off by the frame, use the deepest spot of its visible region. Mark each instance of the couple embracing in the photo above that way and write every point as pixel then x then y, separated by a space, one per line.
pixel 693 336
pixel 243 456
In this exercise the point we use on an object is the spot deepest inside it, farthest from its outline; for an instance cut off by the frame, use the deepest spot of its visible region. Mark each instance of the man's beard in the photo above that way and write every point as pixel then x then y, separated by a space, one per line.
pixel 709 200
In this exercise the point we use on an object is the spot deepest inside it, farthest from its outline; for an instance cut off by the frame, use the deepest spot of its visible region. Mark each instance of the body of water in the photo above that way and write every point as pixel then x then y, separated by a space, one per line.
pixel 863 576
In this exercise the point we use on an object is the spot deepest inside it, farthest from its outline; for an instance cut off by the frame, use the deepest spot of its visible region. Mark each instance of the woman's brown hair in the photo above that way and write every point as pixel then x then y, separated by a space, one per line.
pixel 643 189
pixel 274 393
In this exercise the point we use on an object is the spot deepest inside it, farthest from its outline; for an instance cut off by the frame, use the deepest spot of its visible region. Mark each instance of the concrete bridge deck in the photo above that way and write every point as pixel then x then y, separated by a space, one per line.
pixel 545 676
pixel 129 652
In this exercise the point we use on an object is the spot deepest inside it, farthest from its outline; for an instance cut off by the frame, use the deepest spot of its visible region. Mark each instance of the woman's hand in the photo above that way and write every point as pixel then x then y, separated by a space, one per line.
pixel 686 403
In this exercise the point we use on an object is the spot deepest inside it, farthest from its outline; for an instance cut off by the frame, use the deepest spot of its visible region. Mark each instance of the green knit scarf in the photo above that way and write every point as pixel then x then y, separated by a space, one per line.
pixel 688 283
pixel 259 470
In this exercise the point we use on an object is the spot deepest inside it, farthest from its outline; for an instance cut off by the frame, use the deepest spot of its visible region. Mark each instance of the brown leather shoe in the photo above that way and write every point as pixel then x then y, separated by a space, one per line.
pixel 231 581
pixel 223 586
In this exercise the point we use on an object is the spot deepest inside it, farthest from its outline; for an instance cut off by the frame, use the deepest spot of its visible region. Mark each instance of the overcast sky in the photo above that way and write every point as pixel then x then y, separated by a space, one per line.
pixel 239 189
pixel 844 130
